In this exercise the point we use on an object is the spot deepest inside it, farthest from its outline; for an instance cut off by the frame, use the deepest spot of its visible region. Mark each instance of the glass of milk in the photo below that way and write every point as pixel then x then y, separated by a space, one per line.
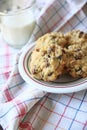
pixel 17 21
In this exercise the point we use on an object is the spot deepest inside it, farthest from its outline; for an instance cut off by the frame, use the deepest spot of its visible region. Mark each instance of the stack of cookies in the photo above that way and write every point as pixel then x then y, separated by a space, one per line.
pixel 56 53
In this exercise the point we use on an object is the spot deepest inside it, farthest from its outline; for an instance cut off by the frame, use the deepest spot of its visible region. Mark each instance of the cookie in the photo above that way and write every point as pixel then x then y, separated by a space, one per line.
pixel 76 54
pixel 48 58
pixel 53 37
pixel 75 37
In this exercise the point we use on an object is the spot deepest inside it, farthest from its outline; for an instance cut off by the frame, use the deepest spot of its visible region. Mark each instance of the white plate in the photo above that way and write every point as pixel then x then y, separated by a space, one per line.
pixel 65 84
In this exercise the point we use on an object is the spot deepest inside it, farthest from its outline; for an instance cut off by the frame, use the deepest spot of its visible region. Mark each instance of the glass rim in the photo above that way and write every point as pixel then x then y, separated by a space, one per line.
pixel 19 11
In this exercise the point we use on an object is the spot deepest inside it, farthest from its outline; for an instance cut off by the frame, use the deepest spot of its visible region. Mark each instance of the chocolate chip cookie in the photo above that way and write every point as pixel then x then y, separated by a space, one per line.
pixel 48 58
pixel 76 53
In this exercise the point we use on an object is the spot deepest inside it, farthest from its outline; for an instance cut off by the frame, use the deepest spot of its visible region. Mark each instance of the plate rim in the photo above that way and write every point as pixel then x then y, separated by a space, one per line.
pixel 43 87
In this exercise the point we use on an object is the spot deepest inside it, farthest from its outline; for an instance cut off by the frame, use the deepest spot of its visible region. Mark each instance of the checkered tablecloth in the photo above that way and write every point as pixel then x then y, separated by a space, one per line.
pixel 24 108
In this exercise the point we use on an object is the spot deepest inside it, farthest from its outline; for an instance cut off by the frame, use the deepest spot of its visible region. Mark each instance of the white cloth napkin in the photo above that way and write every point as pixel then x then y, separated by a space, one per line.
pixel 24 108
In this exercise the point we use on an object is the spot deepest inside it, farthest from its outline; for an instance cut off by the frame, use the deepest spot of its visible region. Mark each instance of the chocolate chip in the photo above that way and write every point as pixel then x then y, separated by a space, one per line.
pixel 50 50
pixel 86 36
pixel 78 49
pixel 48 56
pixel 46 62
pixel 78 69
pixel 37 49
pixel 59 57
pixel 78 56
pixel 81 34
pixel 34 71
pixel 50 74
pixel 44 52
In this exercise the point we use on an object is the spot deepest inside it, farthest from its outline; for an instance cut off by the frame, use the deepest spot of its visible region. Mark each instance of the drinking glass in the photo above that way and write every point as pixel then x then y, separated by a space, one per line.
pixel 17 21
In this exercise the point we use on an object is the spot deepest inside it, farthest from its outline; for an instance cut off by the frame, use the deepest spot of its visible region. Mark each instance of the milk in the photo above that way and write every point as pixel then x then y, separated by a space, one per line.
pixel 17 28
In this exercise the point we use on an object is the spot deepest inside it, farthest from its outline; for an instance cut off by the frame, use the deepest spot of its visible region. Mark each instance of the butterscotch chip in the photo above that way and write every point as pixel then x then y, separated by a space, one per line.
pixel 48 58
